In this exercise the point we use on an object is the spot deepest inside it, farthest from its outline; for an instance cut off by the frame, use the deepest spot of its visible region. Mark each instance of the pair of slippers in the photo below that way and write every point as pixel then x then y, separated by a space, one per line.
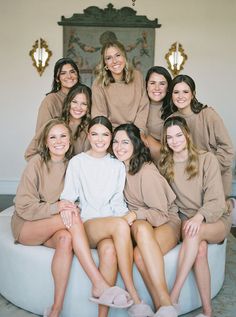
pixel 140 310
pixel 115 297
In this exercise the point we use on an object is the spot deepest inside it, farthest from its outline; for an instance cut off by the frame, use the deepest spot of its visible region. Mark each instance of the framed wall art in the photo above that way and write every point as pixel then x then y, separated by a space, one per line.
pixel 84 35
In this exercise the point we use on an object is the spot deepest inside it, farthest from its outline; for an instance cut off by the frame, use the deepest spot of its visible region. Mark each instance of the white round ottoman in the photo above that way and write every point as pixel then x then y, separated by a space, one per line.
pixel 26 280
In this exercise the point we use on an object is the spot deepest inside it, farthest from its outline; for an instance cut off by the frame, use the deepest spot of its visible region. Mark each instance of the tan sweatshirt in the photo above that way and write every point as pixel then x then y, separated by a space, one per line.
pixel 122 103
pixel 39 189
pixel 50 108
pixel 210 134
pixel 202 194
pixel 154 121
pixel 149 195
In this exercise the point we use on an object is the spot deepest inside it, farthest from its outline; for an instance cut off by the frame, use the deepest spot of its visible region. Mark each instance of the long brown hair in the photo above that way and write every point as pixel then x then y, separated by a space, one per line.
pixel 74 91
pixel 104 75
pixel 166 162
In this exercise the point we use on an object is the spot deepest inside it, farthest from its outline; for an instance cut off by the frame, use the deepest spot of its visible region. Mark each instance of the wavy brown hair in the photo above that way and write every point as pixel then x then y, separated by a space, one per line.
pixel 85 120
pixel 42 148
pixel 141 154
pixel 104 75
pixel 166 162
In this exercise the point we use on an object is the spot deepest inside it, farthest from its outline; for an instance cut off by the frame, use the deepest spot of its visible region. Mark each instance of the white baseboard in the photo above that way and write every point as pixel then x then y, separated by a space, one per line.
pixel 8 187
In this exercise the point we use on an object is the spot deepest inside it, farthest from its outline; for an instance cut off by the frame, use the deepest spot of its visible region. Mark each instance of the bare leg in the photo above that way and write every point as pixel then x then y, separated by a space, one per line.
pixel 148 257
pixel 52 233
pixel 61 265
pixel 203 279
pixel 118 229
pixel 212 233
pixel 107 267
pixel 83 253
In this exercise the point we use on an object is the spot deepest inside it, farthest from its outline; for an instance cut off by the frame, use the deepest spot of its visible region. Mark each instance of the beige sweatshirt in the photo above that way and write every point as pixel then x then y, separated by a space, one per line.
pixel 154 121
pixel 39 189
pixel 122 103
pixel 202 194
pixel 149 195
pixel 50 108
pixel 210 134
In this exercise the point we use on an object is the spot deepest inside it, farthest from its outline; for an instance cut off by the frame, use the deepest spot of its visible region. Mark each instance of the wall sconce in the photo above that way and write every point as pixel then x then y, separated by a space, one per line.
pixel 40 55
pixel 176 58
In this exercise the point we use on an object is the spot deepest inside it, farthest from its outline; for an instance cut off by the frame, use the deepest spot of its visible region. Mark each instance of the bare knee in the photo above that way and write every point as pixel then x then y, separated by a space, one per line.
pixel 202 251
pixel 142 230
pixel 64 241
pixel 122 227
pixel 107 253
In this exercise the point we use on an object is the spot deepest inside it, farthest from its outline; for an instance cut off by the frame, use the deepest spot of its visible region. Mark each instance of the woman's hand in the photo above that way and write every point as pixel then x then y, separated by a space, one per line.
pixel 67 211
pixel 130 217
pixel 192 226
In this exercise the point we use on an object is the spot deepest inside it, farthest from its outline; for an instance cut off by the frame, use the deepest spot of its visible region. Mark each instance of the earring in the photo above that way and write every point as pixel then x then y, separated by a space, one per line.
pixel 106 67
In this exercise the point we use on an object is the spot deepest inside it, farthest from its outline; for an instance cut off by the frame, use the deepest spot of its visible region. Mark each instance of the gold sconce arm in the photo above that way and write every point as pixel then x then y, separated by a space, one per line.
pixel 40 55
pixel 176 58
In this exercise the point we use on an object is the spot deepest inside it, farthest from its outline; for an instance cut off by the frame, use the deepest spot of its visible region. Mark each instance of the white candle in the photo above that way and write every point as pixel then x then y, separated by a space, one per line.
pixel 177 53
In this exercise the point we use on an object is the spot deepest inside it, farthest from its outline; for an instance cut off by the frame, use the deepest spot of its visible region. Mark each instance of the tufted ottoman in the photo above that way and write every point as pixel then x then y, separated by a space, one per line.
pixel 26 280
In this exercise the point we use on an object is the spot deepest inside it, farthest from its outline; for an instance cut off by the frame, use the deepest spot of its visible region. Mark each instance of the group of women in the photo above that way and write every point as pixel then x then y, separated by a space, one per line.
pixel 117 170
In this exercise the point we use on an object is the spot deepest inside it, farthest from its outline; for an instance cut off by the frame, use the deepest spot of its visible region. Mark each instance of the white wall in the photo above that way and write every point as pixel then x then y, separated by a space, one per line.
pixel 206 30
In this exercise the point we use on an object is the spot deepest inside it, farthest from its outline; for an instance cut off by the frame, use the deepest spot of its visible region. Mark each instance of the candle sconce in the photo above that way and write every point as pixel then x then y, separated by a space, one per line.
pixel 40 55
pixel 176 58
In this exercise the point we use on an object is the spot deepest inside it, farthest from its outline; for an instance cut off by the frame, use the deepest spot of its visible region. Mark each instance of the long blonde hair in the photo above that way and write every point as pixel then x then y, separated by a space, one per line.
pixel 166 162
pixel 42 148
pixel 103 74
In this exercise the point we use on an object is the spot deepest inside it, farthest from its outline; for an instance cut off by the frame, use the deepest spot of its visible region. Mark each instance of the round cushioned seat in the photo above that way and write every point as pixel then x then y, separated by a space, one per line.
pixel 26 280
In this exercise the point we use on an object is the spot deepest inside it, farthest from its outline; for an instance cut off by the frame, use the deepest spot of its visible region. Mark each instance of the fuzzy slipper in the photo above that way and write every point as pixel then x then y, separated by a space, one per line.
pixel 166 311
pixel 177 307
pixel 115 297
pixel 201 315
pixel 140 310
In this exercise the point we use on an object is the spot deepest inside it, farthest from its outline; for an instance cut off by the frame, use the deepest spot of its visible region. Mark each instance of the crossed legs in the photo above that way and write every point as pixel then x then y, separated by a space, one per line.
pixel 118 230
pixel 152 244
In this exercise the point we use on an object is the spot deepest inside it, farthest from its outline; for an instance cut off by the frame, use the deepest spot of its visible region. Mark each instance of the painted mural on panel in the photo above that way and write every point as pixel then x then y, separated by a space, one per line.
pixel 83 44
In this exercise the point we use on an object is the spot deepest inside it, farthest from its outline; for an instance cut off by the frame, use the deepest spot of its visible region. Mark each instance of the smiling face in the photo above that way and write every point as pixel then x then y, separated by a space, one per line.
pixel 182 97
pixel 115 61
pixel 100 138
pixel 78 106
pixel 67 77
pixel 176 139
pixel 122 146
pixel 157 87
pixel 58 142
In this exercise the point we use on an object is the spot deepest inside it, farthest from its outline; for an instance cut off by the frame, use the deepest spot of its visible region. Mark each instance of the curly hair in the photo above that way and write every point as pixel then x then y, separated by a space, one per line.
pixel 165 108
pixel 195 105
pixel 141 154
pixel 56 86
pixel 42 148
pixel 103 74
pixel 166 162
pixel 85 120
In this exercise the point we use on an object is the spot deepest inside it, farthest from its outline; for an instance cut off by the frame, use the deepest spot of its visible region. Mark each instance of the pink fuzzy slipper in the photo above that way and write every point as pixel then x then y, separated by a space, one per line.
pixel 115 297
pixel 201 315
pixel 140 310
pixel 166 311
